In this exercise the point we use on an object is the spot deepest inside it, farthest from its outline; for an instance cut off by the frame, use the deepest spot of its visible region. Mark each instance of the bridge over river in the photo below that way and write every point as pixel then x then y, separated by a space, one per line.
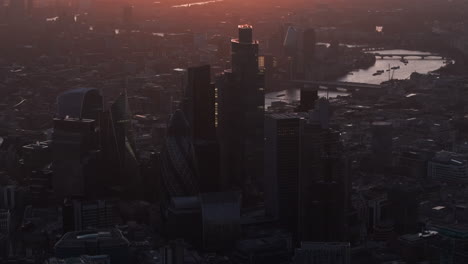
pixel 423 56
pixel 336 85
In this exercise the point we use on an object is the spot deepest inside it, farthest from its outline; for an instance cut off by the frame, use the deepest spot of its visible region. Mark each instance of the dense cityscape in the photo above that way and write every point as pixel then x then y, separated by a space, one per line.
pixel 233 132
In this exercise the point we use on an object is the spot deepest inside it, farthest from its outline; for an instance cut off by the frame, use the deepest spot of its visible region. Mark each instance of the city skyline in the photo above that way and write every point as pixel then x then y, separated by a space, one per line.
pixel 233 132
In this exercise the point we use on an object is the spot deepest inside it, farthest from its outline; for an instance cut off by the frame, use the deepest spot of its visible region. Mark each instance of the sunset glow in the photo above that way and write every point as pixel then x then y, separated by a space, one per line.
pixel 233 131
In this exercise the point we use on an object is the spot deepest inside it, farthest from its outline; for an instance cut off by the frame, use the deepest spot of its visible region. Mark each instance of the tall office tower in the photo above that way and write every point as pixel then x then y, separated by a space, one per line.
pixel 74 154
pixel 290 45
pixel 200 104
pixel 282 168
pixel 241 114
pixel 325 186
pixel 309 95
pixel 382 145
pixel 306 181
pixel 323 253
pixel 268 65
pixel 308 52
pixel 124 143
pixel 404 205
pixel 80 103
pixel 127 15
pixel 200 110
pixel 291 42
pixel 179 173
pixel 121 119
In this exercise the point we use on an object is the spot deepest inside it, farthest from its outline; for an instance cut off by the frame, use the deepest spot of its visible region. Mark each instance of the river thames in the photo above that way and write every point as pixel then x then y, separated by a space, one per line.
pixel 367 75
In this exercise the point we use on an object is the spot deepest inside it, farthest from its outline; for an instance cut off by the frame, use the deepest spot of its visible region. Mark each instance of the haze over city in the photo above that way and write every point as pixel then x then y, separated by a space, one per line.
pixel 233 132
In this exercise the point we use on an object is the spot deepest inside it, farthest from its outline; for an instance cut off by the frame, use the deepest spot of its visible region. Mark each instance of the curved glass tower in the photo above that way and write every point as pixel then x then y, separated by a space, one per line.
pixel 178 159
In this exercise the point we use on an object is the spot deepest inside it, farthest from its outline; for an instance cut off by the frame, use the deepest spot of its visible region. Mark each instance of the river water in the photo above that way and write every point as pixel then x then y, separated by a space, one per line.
pixel 366 76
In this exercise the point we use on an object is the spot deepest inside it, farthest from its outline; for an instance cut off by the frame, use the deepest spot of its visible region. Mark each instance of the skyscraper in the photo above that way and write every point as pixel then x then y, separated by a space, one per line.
pixel 306 181
pixel 200 110
pixel 200 103
pixel 308 52
pixel 80 103
pixel 74 145
pixel 179 172
pixel 291 45
pixel 241 114
pixel 124 143
pixel 382 143
pixel 324 182
pixel 17 8
pixel 127 15
pixel 282 167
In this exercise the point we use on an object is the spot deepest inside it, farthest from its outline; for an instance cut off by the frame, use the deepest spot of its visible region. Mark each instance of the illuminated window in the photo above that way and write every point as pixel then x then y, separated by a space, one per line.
pixel 261 62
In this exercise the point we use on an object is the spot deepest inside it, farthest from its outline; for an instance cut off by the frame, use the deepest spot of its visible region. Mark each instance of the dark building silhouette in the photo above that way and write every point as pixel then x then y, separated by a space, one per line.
pixel 74 153
pixel 306 177
pixel 291 51
pixel 124 146
pixel 184 219
pixel 403 207
pixel 200 103
pixel 324 193
pixel 17 8
pixel 241 114
pixel 308 52
pixel 109 242
pixel 81 215
pixel 201 113
pixel 382 143
pixel 221 219
pixel 80 103
pixel 127 15
pixel 179 173
pixel 323 253
pixel 309 95
pixel 121 120
pixel 282 168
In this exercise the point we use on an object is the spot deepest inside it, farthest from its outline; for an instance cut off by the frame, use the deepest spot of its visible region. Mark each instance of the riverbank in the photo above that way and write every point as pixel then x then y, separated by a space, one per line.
pixel 332 70
pixel 366 76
